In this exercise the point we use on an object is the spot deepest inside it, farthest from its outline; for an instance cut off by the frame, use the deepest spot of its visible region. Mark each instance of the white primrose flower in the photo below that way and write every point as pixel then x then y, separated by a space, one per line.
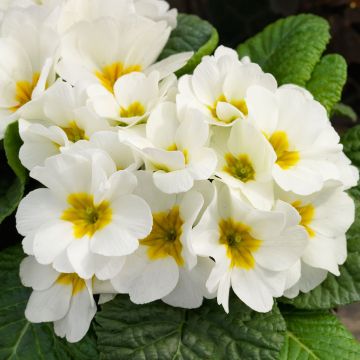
pixel 87 218
pixel 62 119
pixel 253 249
pixel 219 84
pixel 176 150
pixel 157 10
pixel 123 155
pixel 245 162
pixel 326 216
pixel 29 51
pixel 75 11
pixel 63 298
pixel 298 129
pixel 165 265
pixel 103 50
pixel 135 96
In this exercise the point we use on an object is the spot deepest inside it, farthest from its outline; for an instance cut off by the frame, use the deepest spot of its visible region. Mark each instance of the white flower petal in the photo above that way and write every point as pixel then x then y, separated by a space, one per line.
pixel 51 240
pixel 76 323
pixel 257 287
pixel 49 305
pixel 191 289
pixel 35 275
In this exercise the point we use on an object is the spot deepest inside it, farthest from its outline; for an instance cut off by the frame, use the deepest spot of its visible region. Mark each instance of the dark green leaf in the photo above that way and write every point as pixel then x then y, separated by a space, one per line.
pixel 22 340
pixel 317 335
pixel 289 48
pixel 353 234
pixel 12 184
pixel 328 80
pixel 351 142
pixel 191 34
pixel 158 331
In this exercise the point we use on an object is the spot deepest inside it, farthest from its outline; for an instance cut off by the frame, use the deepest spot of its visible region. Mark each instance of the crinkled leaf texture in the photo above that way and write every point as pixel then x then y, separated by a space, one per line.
pixel 317 335
pixel 13 176
pixel 22 340
pixel 158 331
pixel 191 34
pixel 289 48
pixel 351 142
pixel 328 79
pixel 343 289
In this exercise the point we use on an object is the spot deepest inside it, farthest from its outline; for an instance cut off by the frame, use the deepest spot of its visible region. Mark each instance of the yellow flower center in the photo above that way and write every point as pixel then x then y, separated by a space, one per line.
pixel 239 104
pixel 24 90
pixel 239 167
pixel 307 213
pixel 86 216
pixel 285 157
pixel 164 239
pixel 110 73
pixel 71 279
pixel 240 245
pixel 74 133
pixel 134 109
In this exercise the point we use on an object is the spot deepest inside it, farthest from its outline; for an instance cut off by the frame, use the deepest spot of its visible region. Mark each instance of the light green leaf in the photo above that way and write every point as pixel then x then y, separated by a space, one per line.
pixel 158 331
pixel 13 177
pixel 344 110
pixel 351 142
pixel 191 34
pixel 328 79
pixel 343 289
pixel 317 336
pixel 22 340
pixel 289 48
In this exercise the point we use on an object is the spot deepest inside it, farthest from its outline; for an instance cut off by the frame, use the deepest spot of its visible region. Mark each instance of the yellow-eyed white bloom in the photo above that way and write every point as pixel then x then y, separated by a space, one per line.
pixel 165 265
pixel 87 217
pixel 62 119
pixel 326 216
pixel 135 95
pixel 245 162
pixel 63 298
pixel 176 150
pixel 299 131
pixel 219 84
pixel 105 49
pixel 29 51
pixel 253 249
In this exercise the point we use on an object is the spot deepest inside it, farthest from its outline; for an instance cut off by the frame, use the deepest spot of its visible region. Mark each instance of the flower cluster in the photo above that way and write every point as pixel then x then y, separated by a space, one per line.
pixel 158 187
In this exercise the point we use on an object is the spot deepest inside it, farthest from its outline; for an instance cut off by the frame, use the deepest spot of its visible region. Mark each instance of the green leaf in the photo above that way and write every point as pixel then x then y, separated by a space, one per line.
pixel 353 234
pixel 351 142
pixel 12 184
pixel 344 110
pixel 317 335
pixel 343 289
pixel 328 79
pixel 191 34
pixel 289 48
pixel 22 340
pixel 158 331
